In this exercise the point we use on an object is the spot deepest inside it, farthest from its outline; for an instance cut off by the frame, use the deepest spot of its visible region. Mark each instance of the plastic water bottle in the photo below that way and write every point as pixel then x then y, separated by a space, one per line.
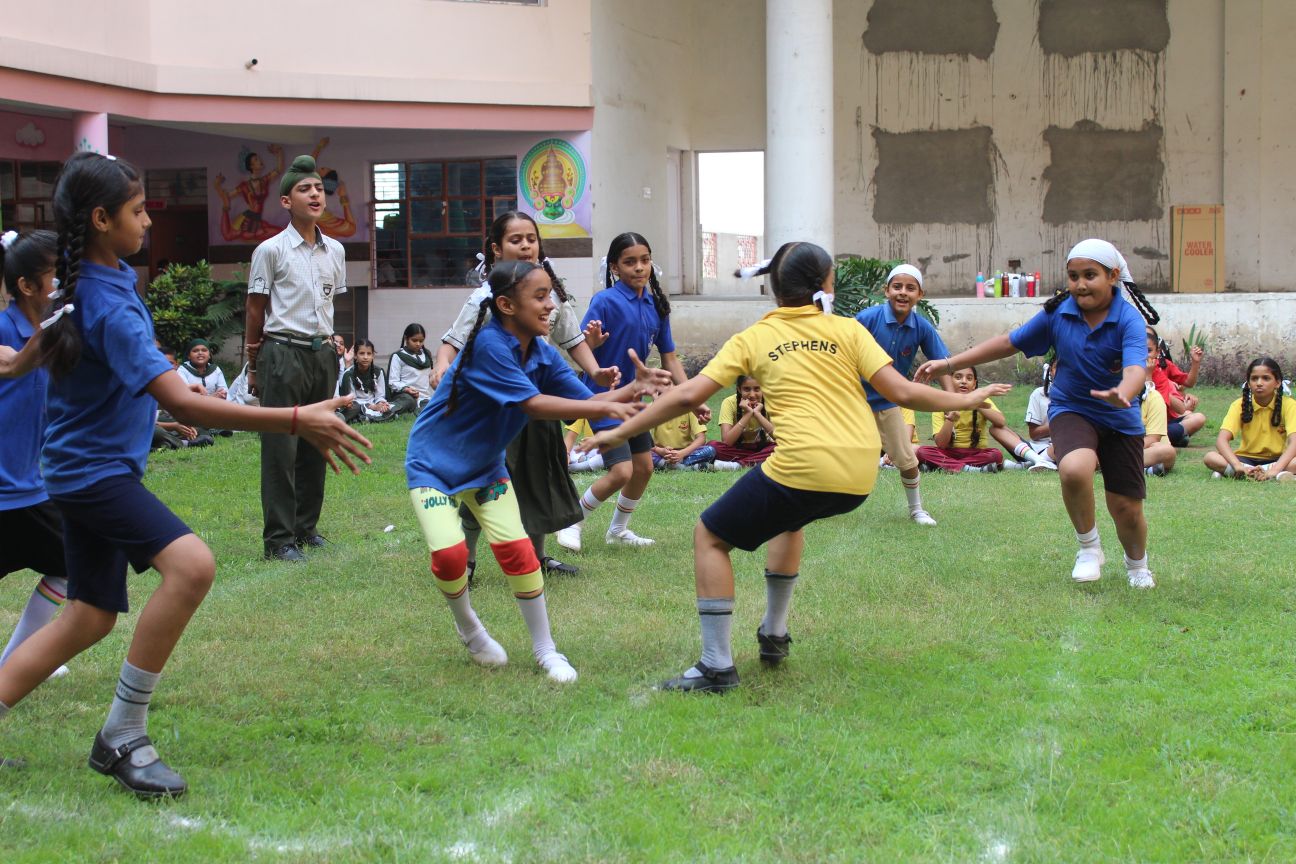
pixel 980 284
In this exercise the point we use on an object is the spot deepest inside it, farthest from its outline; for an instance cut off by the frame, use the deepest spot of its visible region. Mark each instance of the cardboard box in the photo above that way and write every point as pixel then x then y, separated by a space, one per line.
pixel 1197 248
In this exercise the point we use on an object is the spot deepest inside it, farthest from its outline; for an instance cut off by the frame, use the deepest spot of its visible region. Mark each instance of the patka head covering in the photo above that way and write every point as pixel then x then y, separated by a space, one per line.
pixel 905 270
pixel 195 343
pixel 302 167
pixel 1098 250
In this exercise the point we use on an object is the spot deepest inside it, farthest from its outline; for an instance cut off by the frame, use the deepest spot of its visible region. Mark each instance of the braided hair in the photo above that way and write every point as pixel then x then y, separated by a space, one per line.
pixel 1248 406
pixel 88 181
pixel 495 237
pixel 28 256
pixel 503 280
pixel 619 245
pixel 976 415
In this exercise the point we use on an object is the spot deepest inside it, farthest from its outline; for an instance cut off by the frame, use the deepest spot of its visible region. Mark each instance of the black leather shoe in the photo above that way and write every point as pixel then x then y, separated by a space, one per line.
pixel 287 552
pixel 773 649
pixel 137 767
pixel 710 681
pixel 314 541
pixel 554 566
pixel 11 764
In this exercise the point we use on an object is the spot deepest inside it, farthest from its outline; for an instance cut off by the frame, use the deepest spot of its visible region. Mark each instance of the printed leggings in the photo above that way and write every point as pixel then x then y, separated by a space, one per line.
pixel 496 509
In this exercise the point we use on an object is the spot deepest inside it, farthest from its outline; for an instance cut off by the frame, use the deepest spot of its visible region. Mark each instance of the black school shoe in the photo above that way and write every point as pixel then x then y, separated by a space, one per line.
pixel 11 764
pixel 151 778
pixel 773 649
pixel 287 552
pixel 314 541
pixel 710 681
pixel 556 567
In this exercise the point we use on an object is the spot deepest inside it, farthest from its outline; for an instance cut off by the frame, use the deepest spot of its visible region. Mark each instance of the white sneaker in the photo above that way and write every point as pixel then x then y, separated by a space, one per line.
pixel 569 538
pixel 1088 565
pixel 1014 465
pixel 488 653
pixel 1141 578
pixel 57 673
pixel 1285 477
pixel 626 537
pixel 922 517
pixel 1215 475
pixel 1042 466
pixel 557 668
pixel 722 465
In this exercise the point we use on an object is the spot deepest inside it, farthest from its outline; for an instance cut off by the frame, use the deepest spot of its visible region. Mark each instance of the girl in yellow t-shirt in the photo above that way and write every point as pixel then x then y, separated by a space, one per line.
pixel 810 365
pixel 578 460
pixel 961 437
pixel 746 431
pixel 1266 424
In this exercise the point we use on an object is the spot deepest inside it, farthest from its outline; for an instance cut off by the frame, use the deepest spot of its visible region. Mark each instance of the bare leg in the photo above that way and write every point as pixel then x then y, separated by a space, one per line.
pixel 1193 422
pixel 1076 471
pixel 1215 462
pixel 1131 527
pixel 1161 453
pixel 783 553
pixel 79 627
pixel 614 480
pixel 641 473
pixel 187 569
pixel 712 569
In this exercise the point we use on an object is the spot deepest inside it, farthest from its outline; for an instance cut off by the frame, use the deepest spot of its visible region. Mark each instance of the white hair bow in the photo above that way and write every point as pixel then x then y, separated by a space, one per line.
pixel 8 239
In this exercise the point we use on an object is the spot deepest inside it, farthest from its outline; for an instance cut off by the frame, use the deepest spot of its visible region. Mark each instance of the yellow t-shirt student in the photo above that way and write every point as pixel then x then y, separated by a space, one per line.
pixel 962 438
pixel 678 433
pixel 1260 439
pixel 809 365
pixel 1154 414
pixel 910 419
pixel 729 415
pixel 581 428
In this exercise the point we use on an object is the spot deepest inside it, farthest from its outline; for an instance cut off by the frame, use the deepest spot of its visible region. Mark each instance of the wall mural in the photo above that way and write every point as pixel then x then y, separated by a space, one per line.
pixel 553 185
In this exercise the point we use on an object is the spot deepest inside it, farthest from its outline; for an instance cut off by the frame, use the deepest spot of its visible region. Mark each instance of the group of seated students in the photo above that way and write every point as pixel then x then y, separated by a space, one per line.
pixel 964 440
pixel 380 396
pixel 746 437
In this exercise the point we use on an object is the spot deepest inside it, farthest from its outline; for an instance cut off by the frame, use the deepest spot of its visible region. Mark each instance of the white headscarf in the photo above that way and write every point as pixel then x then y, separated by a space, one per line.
pixel 1098 250
pixel 905 270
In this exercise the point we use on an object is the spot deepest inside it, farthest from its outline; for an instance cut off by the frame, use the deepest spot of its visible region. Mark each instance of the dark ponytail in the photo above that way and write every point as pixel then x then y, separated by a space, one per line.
pixel 623 242
pixel 796 270
pixel 976 415
pixel 503 280
pixel 87 182
pixel 27 257
pixel 495 237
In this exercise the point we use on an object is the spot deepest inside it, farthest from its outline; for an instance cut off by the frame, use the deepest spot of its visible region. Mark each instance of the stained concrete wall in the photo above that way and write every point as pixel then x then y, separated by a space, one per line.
pixel 1097 117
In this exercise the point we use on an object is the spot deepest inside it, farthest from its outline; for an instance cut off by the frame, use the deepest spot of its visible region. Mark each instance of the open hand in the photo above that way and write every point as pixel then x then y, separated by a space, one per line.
pixel 977 398
pixel 594 334
pixel 608 376
pixel 221 392
pixel 1111 397
pixel 622 411
pixel 328 433
pixel 703 413
pixel 656 380
pixel 931 369
pixel 1197 353
pixel 599 441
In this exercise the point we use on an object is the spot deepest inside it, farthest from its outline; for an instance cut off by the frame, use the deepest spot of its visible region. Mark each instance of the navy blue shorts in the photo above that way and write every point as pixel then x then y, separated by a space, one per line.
pixel 1175 432
pixel 106 526
pixel 756 509
pixel 640 443
pixel 32 538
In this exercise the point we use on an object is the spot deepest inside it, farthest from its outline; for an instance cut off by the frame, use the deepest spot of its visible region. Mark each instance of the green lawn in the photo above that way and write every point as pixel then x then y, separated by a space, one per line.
pixel 951 696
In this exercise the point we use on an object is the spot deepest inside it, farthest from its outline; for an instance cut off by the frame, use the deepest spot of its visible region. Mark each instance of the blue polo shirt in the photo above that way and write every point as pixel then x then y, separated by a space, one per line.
pixel 22 421
pixel 900 341
pixel 1088 359
pixel 465 450
pixel 631 321
pixel 100 417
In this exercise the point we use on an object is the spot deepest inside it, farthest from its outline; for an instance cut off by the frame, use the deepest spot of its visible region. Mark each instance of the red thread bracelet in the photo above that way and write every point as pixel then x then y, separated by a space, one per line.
pixel 293 429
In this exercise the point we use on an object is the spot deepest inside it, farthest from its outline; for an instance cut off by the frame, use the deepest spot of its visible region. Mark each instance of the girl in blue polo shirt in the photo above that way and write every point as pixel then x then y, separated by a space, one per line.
pixel 1093 418
pixel 106 381
pixel 635 314
pixel 31 530
pixel 504 375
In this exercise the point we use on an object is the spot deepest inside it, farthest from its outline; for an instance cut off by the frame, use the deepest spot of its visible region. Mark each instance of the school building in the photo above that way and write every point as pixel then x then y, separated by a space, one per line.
pixel 957 135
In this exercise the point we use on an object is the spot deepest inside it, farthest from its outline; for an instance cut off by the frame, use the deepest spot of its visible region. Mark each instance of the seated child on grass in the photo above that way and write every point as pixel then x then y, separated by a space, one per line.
pixel 958 437
pixel 1184 418
pixel 1265 421
pixel 681 443
pixel 1039 437
pixel 198 368
pixel 1158 453
pixel 577 460
pixel 369 385
pixel 746 431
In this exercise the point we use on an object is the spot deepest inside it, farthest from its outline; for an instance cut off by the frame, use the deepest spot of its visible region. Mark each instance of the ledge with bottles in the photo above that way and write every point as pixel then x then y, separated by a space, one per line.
pixel 1008 283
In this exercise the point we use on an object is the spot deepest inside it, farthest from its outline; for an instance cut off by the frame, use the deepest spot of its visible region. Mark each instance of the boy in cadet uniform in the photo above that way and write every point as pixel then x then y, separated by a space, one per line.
pixel 292 360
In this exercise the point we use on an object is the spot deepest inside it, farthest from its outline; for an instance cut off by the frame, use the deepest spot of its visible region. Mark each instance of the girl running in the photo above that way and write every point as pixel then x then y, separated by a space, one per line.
pixel 810 365
pixel 506 373
pixel 1099 372
pixel 106 379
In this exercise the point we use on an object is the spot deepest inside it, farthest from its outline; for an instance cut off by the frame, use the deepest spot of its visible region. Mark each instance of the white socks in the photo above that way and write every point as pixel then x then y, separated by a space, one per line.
pixel 546 654
pixel 625 508
pixel 128 716
pixel 41 608
pixel 1025 452
pixel 1132 564
pixel 911 492
pixel 716 616
pixel 1089 539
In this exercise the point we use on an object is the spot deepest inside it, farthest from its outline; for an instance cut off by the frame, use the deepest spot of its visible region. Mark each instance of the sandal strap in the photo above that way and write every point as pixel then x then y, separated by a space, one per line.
pixel 117 754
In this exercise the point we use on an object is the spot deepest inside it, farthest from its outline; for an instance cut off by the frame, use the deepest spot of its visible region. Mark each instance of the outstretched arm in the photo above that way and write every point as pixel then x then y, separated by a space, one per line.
pixel 992 349
pixel 900 390
pixel 674 402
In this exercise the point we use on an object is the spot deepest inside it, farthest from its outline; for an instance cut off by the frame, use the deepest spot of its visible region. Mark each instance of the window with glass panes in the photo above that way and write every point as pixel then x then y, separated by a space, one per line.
pixel 430 218
pixel 26 190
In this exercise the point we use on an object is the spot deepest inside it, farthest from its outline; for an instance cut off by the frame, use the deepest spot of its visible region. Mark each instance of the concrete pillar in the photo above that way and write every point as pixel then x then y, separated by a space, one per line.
pixel 798 122
pixel 90 132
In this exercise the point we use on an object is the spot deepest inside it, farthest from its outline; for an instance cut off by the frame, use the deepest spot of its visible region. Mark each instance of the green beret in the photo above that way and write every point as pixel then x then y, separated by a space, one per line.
pixel 302 167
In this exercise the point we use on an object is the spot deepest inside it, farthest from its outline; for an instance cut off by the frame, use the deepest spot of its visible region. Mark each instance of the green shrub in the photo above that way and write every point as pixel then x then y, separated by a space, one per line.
pixel 187 303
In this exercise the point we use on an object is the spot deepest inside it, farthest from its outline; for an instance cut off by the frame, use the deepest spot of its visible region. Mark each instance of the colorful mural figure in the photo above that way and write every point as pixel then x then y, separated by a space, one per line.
pixel 330 223
pixel 250 226
pixel 552 178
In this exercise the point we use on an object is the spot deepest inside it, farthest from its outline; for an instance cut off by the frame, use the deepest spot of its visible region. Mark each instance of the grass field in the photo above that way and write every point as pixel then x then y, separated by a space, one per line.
pixel 951 695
